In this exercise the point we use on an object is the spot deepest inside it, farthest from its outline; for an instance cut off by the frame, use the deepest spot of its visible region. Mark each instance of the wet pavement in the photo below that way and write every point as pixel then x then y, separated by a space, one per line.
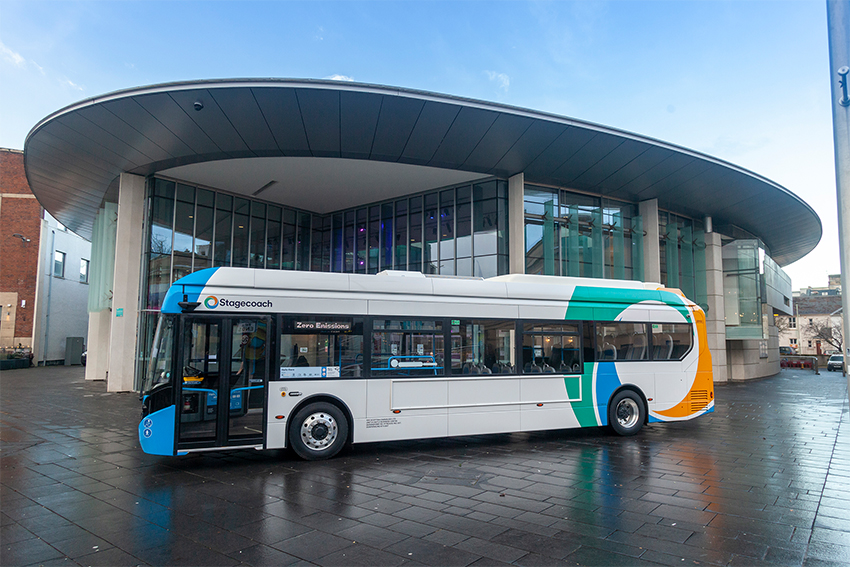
pixel 765 480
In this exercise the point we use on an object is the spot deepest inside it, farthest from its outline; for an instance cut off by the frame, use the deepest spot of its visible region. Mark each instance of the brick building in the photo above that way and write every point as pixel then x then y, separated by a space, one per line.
pixel 42 293
pixel 20 233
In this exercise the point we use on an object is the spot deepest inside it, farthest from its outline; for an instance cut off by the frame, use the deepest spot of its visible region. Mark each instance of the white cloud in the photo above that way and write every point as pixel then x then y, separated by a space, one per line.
pixel 321 34
pixel 501 79
pixel 12 57
pixel 72 84
pixel 340 78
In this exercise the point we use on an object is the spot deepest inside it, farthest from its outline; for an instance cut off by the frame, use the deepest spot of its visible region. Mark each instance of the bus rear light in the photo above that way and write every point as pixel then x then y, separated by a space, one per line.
pixel 649 399
pixel 540 405
pixel 396 411
pixel 280 417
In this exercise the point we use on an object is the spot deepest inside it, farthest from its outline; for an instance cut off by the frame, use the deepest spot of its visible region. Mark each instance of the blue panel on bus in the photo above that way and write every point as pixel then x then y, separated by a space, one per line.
pixel 606 382
pixel 192 284
pixel 156 432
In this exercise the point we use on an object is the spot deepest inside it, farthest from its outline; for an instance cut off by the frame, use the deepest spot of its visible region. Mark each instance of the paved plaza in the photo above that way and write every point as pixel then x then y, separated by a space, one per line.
pixel 765 480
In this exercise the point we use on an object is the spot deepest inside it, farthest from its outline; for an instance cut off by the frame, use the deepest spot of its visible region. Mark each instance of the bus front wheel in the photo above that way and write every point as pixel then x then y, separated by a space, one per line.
pixel 626 412
pixel 318 431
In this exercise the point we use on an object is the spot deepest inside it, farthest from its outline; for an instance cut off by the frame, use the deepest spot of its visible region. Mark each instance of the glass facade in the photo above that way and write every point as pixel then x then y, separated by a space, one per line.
pixel 682 255
pixel 569 234
pixel 454 231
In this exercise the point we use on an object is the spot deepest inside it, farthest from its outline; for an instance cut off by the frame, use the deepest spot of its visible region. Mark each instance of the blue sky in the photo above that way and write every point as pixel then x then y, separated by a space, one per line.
pixel 747 82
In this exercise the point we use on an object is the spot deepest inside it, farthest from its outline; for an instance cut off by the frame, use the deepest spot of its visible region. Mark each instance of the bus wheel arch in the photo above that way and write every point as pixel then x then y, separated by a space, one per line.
pixel 320 427
pixel 627 411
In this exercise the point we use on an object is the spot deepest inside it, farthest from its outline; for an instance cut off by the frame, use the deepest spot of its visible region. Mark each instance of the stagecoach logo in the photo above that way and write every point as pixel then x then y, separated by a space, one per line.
pixel 211 302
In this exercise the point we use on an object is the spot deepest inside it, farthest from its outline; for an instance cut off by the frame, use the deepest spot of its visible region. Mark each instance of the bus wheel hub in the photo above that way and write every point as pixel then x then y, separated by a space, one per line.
pixel 319 431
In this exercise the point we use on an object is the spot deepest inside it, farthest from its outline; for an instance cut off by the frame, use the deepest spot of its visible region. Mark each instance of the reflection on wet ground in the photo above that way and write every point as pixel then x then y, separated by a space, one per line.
pixel 764 480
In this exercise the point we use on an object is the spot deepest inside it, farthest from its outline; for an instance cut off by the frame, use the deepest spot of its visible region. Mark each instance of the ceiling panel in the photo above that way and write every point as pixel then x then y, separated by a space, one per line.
pixel 211 119
pixel 283 115
pixel 358 119
pixel 466 132
pixel 243 112
pixel 320 113
pixel 395 124
pixel 586 156
pixel 530 145
pixel 433 123
pixel 175 119
pixel 501 137
pixel 625 153
pixel 132 112
pixel 558 152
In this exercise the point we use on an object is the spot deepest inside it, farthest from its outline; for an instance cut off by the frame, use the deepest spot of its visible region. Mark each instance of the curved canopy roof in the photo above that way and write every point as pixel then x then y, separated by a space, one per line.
pixel 378 135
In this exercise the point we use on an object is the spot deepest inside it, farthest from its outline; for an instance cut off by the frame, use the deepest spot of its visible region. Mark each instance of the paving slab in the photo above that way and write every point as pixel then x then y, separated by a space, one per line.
pixel 761 481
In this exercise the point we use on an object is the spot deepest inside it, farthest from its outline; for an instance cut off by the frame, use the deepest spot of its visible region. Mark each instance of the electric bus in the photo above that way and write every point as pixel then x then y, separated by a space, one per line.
pixel 265 359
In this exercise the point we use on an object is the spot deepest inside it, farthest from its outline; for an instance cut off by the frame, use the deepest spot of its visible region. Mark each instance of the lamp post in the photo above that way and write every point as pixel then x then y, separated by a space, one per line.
pixel 838 29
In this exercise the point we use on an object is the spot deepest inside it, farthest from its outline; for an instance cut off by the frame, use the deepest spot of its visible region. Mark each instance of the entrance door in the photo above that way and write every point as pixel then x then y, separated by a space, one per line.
pixel 224 369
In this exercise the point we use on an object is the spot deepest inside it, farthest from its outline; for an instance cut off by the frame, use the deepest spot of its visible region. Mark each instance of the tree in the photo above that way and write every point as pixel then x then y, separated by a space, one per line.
pixel 827 331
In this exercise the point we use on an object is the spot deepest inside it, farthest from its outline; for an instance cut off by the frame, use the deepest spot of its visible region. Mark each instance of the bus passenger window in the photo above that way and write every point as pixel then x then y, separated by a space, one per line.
pixel 407 348
pixel 671 341
pixel 326 347
pixel 551 348
pixel 483 347
pixel 621 341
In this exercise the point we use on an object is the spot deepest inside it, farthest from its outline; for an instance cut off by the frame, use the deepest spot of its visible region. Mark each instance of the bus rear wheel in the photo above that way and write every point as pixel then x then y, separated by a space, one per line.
pixel 626 413
pixel 318 431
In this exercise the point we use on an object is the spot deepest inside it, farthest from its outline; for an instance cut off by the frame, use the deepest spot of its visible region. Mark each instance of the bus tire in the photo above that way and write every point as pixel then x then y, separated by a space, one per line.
pixel 318 431
pixel 626 412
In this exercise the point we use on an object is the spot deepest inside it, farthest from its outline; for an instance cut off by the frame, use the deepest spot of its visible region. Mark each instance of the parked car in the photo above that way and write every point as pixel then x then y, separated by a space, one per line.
pixel 787 351
pixel 836 362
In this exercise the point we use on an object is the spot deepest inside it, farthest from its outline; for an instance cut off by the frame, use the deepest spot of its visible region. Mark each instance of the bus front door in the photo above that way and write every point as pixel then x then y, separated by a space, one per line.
pixel 222 375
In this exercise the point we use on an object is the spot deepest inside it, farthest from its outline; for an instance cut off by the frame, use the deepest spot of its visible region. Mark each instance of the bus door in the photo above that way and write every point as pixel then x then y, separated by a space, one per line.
pixel 222 374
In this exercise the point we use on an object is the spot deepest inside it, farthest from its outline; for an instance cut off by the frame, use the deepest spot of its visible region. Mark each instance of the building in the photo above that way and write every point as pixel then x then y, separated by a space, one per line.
pixel 43 272
pixel 815 327
pixel 346 177
pixel 832 288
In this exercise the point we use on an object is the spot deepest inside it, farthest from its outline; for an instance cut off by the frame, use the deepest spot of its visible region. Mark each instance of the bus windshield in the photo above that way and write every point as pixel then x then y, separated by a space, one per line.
pixel 159 367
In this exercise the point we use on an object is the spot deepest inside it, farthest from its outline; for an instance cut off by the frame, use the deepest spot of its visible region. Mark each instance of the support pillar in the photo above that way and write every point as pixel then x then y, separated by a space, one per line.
pixel 651 248
pixel 715 317
pixel 125 288
pixel 516 224
pixel 97 357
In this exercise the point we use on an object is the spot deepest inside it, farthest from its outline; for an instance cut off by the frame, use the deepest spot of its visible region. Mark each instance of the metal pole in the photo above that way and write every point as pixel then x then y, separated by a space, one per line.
pixel 838 29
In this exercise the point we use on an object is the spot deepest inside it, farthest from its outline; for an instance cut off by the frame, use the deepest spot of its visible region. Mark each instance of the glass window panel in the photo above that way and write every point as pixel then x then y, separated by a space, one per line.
pixel 258 209
pixel 322 342
pixel 485 266
pixel 401 238
pixel 387 236
pixel 361 241
pixel 317 245
pixel 258 243
pixel 206 198
pixel 84 270
pixel 622 341
pixel 163 188
pixel 464 194
pixel 240 239
pixel 58 264
pixel 223 234
pixel 349 241
pixel 486 190
pixel 162 215
pixel 185 193
pixel 464 267
pixel 288 243
pixel 274 213
pixel 671 341
pixel 303 257
pixel 241 206
pixel 415 234
pixel 336 245
pixel 407 348
pixel 431 242
pixel 273 241
pixel 464 228
pixel 224 202
pixel 447 226
pixel 203 235
pixel 485 225
pixel 374 239
pixel 483 347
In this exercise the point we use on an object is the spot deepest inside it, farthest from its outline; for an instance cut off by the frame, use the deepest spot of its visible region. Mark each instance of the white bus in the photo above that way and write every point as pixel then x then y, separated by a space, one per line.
pixel 264 359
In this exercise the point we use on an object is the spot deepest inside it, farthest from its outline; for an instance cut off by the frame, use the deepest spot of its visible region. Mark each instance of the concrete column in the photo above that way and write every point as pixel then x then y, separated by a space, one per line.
pixel 715 318
pixel 651 249
pixel 97 358
pixel 516 224
pixel 125 288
